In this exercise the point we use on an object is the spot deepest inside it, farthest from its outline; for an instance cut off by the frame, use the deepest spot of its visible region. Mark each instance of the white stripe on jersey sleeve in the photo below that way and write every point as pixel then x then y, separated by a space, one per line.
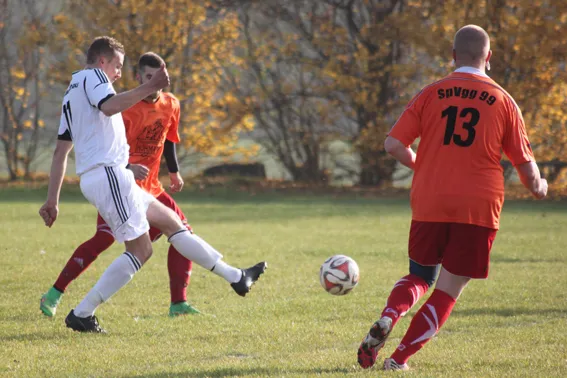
pixel 97 87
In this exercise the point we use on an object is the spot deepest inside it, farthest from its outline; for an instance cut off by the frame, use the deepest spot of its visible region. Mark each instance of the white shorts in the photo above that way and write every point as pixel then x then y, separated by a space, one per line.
pixel 119 200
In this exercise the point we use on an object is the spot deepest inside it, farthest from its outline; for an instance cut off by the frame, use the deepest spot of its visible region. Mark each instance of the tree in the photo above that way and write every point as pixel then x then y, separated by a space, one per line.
pixel 22 82
pixel 367 58
pixel 292 121
pixel 529 62
pixel 324 56
pixel 195 46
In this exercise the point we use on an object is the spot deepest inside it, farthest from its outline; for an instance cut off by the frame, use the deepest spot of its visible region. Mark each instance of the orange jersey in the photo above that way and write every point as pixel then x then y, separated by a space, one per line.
pixel 148 125
pixel 464 121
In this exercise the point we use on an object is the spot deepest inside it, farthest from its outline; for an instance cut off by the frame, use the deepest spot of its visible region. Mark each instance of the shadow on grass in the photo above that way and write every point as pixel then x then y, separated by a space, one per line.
pixel 37 336
pixel 245 371
pixel 511 312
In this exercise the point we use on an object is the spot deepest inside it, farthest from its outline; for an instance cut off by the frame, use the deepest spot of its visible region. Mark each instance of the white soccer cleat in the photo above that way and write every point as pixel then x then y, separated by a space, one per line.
pixel 390 364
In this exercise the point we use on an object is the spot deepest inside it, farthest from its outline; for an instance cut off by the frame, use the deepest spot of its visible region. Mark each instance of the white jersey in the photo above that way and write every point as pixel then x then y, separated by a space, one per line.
pixel 99 140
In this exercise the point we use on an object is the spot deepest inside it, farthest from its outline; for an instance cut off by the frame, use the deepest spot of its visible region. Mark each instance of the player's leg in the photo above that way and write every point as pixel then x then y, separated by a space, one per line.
pixel 466 256
pixel 116 276
pixel 81 259
pixel 123 204
pixel 178 267
pixel 426 243
pixel 199 251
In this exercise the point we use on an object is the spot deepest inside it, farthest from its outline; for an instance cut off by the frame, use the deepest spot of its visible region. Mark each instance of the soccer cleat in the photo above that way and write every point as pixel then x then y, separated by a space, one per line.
pixel 390 364
pixel 182 308
pixel 249 277
pixel 49 301
pixel 88 324
pixel 373 342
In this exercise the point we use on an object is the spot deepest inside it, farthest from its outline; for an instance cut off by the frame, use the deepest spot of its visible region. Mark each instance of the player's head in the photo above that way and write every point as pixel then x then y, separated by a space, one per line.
pixel 471 47
pixel 148 64
pixel 107 54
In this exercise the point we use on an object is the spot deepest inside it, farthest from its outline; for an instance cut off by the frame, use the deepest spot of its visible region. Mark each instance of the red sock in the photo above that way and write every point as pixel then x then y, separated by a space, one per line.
pixel 179 269
pixel 83 256
pixel 424 325
pixel 406 292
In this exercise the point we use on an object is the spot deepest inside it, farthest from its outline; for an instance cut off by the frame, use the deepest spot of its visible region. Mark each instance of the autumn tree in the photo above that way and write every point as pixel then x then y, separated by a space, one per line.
pixel 196 44
pixel 528 61
pixel 325 56
pixel 292 121
pixel 369 57
pixel 23 32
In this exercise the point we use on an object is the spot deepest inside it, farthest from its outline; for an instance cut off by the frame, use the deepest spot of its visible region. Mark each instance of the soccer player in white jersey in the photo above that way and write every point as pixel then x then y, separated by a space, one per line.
pixel 91 121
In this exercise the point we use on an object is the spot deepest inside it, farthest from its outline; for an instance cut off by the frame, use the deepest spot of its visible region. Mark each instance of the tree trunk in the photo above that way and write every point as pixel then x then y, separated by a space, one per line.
pixel 376 169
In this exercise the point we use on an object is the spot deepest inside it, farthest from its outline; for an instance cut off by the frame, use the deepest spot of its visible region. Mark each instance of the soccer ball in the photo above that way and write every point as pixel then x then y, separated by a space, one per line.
pixel 339 274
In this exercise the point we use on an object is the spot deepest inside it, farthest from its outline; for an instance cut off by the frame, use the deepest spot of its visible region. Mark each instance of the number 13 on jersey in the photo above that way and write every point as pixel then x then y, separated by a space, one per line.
pixel 469 117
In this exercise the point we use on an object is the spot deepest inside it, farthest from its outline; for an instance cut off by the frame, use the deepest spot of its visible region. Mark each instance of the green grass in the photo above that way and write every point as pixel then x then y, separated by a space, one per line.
pixel 512 325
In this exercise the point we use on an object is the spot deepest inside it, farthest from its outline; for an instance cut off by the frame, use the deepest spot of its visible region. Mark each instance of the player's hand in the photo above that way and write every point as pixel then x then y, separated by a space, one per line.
pixel 542 192
pixel 48 212
pixel 140 171
pixel 176 182
pixel 160 78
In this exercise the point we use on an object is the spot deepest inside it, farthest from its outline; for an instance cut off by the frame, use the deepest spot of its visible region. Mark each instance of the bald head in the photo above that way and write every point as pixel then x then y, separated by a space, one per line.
pixel 471 46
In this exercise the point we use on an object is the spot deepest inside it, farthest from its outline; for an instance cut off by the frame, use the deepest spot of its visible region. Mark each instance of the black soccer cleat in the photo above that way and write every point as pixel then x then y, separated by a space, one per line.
pixel 249 277
pixel 88 324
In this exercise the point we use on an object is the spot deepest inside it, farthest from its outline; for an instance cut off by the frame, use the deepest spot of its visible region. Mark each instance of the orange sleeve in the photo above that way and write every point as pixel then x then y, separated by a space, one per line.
pixel 408 127
pixel 515 143
pixel 173 131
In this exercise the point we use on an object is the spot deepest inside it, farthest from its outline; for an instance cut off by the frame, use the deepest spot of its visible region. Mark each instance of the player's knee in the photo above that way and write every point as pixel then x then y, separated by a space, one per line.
pixel 427 273
pixel 141 248
pixel 144 253
pixel 165 219
pixel 174 225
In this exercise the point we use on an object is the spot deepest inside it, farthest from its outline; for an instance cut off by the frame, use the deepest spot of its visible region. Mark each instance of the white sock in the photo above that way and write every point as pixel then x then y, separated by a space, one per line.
pixel 229 273
pixel 195 249
pixel 199 251
pixel 118 274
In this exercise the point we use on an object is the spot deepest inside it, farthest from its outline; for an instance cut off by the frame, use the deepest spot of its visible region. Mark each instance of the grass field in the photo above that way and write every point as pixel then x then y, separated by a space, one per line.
pixel 512 325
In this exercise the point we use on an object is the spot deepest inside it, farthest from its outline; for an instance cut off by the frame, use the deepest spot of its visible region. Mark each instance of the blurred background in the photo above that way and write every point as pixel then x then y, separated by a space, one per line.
pixel 300 91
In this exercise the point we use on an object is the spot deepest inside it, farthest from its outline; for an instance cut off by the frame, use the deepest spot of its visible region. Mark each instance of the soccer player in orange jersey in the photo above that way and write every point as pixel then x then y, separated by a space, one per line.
pixel 151 131
pixel 464 121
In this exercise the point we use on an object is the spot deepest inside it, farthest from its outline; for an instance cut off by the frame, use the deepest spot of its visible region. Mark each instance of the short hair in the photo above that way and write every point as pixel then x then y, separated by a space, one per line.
pixel 471 42
pixel 150 59
pixel 103 46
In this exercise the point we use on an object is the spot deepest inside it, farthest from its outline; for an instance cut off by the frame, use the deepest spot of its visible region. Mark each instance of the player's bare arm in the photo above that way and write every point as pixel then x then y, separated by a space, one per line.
pixel 140 171
pixel 530 177
pixel 403 154
pixel 50 208
pixel 176 182
pixel 125 100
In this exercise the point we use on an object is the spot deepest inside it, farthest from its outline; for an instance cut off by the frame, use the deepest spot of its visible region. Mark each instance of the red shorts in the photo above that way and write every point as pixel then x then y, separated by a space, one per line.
pixel 462 249
pixel 155 234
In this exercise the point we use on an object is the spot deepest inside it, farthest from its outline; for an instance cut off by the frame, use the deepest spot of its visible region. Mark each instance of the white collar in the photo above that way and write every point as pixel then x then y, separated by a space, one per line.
pixel 471 70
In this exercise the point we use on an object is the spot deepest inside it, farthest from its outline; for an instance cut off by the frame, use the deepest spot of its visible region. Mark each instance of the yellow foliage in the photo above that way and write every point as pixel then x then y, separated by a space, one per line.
pixel 527 60
pixel 196 50
pixel 18 74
